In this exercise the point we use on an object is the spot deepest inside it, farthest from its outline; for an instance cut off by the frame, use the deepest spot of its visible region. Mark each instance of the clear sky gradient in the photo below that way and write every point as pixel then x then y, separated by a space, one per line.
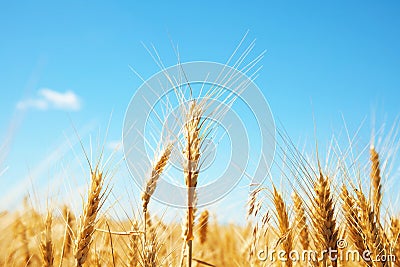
pixel 65 65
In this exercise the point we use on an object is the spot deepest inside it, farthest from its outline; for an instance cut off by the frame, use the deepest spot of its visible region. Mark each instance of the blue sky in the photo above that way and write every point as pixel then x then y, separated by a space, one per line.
pixel 323 59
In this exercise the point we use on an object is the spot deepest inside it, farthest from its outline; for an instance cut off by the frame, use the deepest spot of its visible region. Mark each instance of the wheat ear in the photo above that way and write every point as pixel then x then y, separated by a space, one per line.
pixel 151 184
pixel 376 181
pixel 87 222
pixel 156 171
pixel 285 233
pixel 324 223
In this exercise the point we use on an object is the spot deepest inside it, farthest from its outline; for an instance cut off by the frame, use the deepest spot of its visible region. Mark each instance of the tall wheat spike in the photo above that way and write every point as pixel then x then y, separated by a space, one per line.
pixel 95 200
pixel 323 213
pixel 285 232
pixel 191 153
pixel 46 244
pixel 376 181
pixel 301 221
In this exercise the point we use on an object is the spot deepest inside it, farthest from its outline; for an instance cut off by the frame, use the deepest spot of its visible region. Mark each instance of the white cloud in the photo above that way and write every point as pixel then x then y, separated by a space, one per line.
pixel 50 99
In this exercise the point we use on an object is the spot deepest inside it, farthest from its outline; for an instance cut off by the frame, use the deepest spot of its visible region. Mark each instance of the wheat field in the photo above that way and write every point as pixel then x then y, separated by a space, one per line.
pixel 329 211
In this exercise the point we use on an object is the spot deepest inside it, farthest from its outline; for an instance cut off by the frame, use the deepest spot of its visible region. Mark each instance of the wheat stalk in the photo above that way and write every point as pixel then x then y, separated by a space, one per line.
pixel 191 152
